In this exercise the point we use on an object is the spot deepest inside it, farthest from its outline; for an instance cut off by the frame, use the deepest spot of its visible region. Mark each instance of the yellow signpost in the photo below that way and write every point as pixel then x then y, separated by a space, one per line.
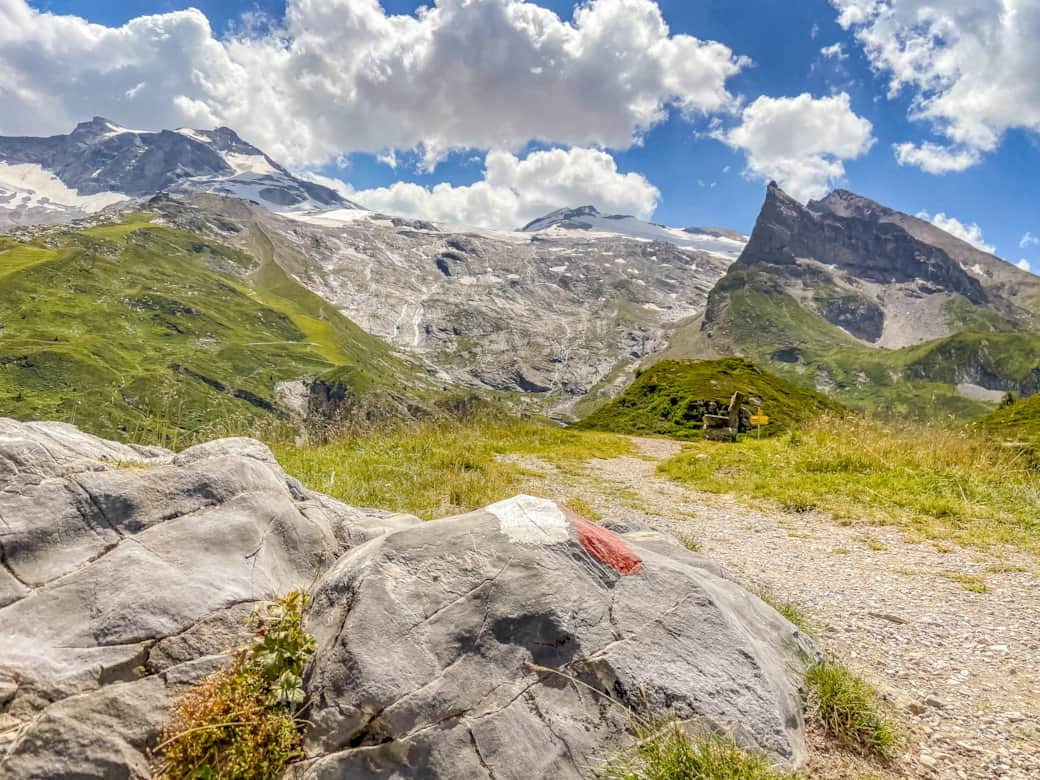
pixel 758 420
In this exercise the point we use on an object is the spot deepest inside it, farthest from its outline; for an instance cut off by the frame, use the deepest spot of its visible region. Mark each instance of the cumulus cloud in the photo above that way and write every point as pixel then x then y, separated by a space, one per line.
pixel 343 75
pixel 971 233
pixel 801 142
pixel 1024 265
pixel 1028 240
pixel 971 68
pixel 515 191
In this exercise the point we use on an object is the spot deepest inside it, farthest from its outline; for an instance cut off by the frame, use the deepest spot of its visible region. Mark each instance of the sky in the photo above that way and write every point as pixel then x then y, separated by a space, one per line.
pixel 493 112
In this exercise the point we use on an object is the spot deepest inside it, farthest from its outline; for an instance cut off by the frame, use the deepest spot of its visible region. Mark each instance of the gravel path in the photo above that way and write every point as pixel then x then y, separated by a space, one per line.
pixel 960 668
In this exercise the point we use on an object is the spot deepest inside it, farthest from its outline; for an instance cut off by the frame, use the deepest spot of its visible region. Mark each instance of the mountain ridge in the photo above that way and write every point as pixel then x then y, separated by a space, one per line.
pixel 99 163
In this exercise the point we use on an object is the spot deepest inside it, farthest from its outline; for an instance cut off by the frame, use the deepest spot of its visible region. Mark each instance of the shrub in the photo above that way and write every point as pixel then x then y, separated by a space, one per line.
pixel 665 751
pixel 243 721
pixel 849 709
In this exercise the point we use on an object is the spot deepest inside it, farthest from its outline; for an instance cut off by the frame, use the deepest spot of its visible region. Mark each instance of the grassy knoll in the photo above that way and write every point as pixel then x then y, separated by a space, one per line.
pixel 140 332
pixel 666 399
pixel 938 484
pixel 1018 425
pixel 439 468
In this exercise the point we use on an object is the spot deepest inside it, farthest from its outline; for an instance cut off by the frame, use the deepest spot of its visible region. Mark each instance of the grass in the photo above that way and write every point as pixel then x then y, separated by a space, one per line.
pixel 970 582
pixel 793 613
pixel 243 721
pixel 850 710
pixel 665 750
pixel 141 332
pixel 670 398
pixel 584 508
pixel 1018 423
pixel 947 486
pixel 439 468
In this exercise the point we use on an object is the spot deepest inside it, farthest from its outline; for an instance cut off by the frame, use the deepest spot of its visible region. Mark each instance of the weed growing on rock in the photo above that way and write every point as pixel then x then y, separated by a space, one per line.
pixel 243 721
pixel 850 710
pixel 664 750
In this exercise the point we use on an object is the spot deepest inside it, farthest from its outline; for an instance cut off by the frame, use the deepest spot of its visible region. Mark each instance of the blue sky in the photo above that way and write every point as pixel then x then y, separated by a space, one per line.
pixel 702 180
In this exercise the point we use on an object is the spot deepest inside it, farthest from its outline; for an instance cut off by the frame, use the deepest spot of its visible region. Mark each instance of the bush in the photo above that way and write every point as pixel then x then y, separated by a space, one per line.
pixel 243 721
pixel 665 751
pixel 850 710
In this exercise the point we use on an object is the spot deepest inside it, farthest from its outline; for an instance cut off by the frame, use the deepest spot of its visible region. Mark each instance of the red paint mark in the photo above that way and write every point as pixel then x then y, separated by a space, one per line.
pixel 604 545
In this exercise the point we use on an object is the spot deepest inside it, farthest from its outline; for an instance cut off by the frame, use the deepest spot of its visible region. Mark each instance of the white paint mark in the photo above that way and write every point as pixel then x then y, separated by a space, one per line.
pixel 530 520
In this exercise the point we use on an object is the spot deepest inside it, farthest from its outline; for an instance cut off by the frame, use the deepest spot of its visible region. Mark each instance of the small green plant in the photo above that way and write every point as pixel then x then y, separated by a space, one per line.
pixel 850 710
pixel 690 543
pixel 664 750
pixel 243 721
pixel 791 611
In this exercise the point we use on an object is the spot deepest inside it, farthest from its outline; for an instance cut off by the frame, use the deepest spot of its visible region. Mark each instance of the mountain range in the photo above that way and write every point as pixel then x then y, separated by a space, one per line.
pixel 877 308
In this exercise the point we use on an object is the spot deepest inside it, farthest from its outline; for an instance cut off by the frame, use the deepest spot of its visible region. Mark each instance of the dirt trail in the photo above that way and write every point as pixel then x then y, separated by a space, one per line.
pixel 961 668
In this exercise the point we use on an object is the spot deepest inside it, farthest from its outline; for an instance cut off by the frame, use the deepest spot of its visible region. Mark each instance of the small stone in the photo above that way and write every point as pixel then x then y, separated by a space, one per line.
pixel 917 708
pixel 931 701
pixel 927 760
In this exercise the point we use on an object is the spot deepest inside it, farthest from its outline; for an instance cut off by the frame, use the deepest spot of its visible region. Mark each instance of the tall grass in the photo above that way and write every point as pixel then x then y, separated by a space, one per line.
pixel 943 484
pixel 664 750
pixel 850 710
pixel 439 467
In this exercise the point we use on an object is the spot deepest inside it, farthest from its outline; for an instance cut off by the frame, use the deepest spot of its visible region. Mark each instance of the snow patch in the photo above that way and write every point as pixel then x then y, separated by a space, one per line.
pixel 34 186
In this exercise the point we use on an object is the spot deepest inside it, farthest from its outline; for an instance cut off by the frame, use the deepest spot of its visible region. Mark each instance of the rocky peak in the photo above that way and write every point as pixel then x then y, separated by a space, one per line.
pixel 843 230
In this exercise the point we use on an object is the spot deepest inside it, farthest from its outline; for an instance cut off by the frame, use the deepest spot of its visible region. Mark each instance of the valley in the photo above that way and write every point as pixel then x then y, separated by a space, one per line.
pixel 481 453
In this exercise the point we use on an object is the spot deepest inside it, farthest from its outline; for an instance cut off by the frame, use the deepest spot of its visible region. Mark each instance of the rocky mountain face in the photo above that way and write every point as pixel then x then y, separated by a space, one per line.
pixel 556 316
pixel 856 298
pixel 432 638
pixel 49 180
pixel 587 218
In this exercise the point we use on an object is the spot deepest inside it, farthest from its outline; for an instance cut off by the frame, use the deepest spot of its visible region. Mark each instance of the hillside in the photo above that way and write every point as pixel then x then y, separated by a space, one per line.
pixel 1018 423
pixel 671 397
pixel 878 309
pixel 143 332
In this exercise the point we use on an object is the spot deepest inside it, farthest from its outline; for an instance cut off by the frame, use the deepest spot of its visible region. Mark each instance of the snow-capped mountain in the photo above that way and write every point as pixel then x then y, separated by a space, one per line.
pixel 725 243
pixel 46 180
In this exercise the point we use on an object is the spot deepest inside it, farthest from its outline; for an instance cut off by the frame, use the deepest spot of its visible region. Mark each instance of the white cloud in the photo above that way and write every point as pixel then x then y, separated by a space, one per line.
pixel 515 191
pixel 836 51
pixel 1024 265
pixel 971 67
pixel 971 233
pixel 933 158
pixel 801 142
pixel 1028 240
pixel 344 76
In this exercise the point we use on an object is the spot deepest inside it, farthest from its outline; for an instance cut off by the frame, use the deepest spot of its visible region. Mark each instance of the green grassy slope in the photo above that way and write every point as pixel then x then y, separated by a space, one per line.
pixel 1019 423
pixel 143 332
pixel 667 398
pixel 753 317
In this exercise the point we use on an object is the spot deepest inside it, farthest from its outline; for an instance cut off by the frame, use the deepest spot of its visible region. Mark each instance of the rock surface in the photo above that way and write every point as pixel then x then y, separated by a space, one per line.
pixel 126 573
pixel 432 643
pixel 129 572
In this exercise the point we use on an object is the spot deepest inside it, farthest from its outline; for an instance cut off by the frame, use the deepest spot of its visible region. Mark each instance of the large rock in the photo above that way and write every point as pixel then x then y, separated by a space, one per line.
pixel 433 644
pixel 127 571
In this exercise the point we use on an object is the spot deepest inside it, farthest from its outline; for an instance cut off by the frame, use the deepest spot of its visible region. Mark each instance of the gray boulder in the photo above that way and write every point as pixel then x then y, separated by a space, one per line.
pixel 433 645
pixel 444 648
pixel 127 572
